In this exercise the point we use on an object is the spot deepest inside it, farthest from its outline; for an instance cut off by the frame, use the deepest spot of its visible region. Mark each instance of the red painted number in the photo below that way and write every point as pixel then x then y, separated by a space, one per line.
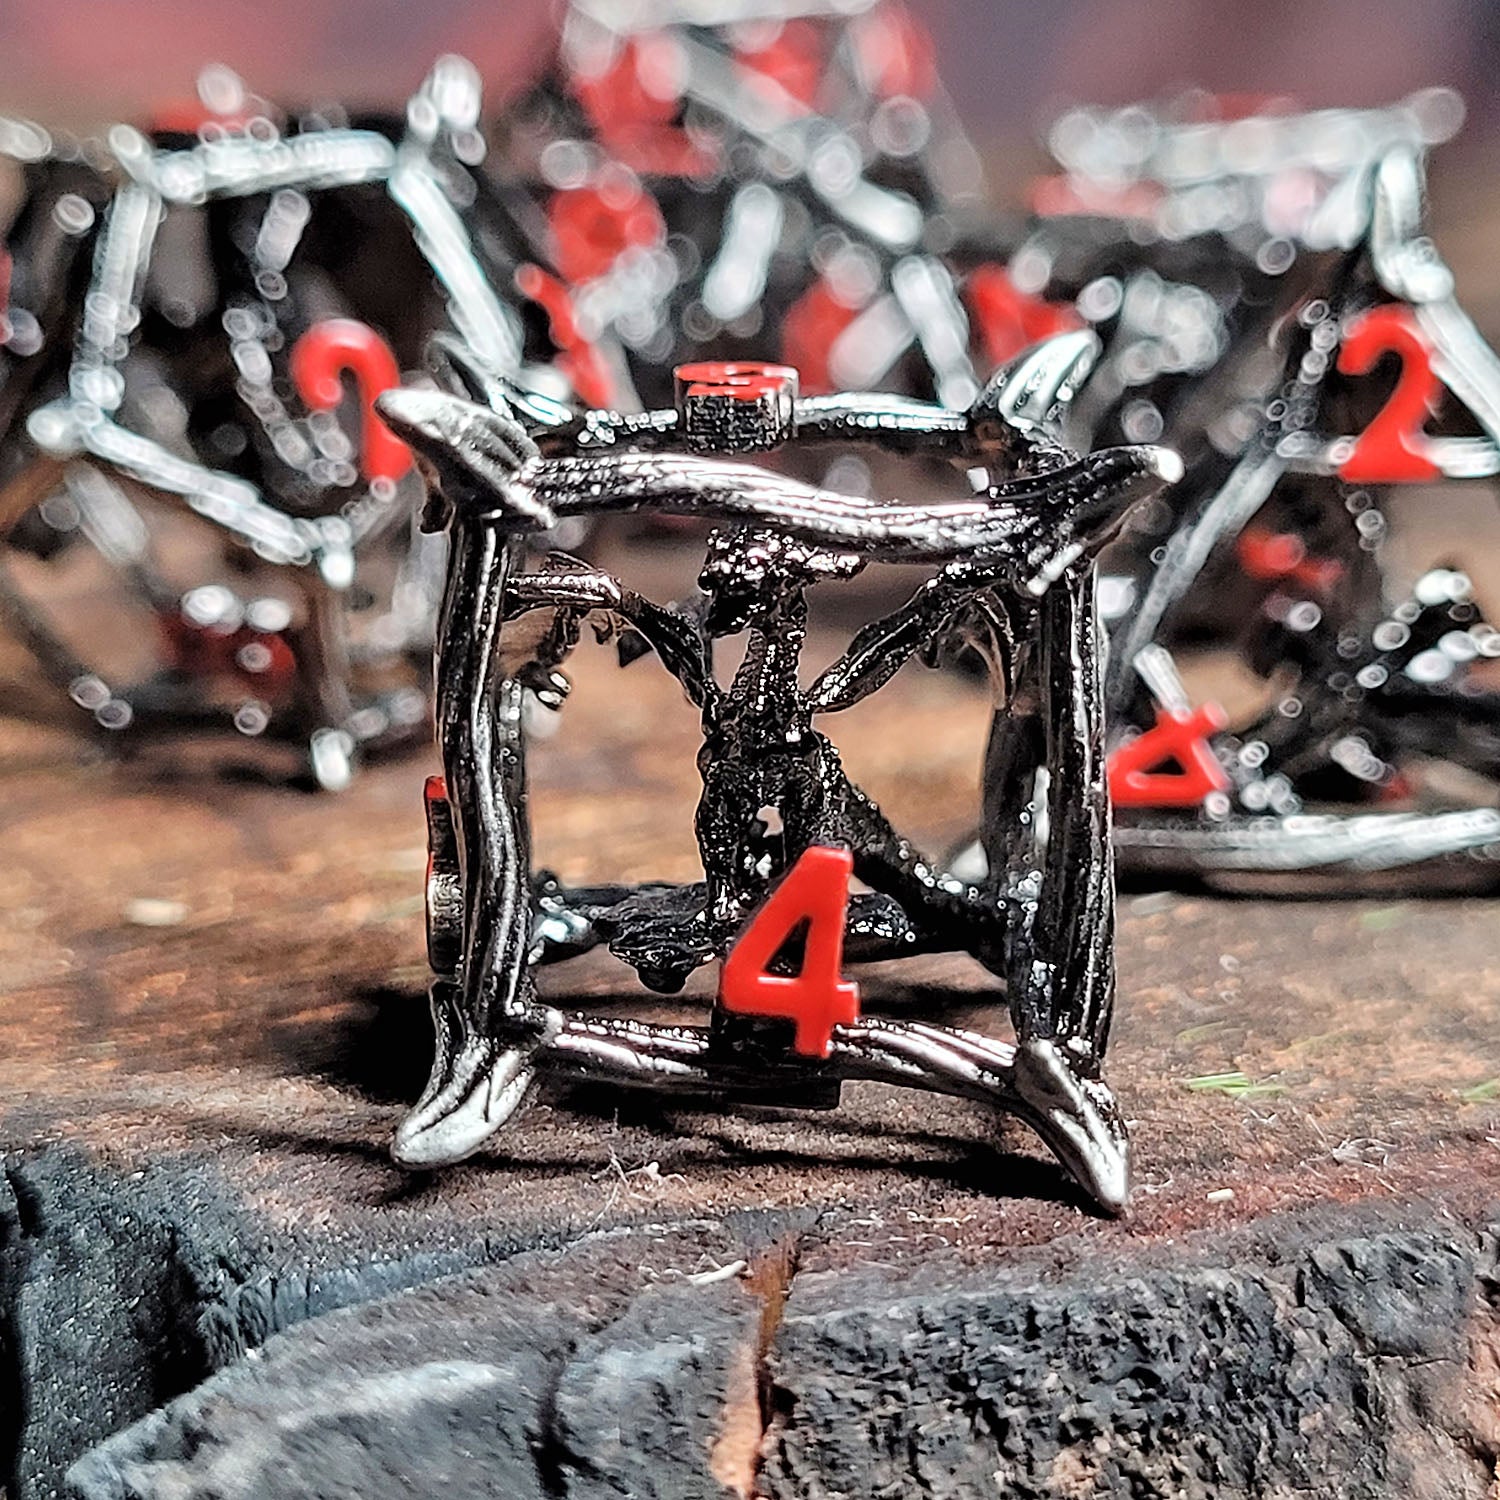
pixel 740 382
pixel 814 893
pixel 1011 320
pixel 791 54
pixel 809 331
pixel 1137 770
pixel 578 359
pixel 896 54
pixel 637 90
pixel 632 103
pixel 258 659
pixel 320 358
pixel 593 226
pixel 1279 556
pixel 1393 448
pixel 434 790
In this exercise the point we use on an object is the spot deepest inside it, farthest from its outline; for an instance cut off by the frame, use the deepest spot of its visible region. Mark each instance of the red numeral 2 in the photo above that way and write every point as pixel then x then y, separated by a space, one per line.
pixel 815 892
pixel 1137 777
pixel 319 359
pixel 1393 448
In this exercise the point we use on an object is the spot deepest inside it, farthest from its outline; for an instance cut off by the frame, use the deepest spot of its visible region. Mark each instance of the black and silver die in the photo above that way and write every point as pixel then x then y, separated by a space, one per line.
pixel 1009 572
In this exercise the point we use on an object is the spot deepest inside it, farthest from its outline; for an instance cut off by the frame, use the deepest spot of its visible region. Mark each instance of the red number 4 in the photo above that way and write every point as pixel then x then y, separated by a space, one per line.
pixel 815 892
pixel 1137 770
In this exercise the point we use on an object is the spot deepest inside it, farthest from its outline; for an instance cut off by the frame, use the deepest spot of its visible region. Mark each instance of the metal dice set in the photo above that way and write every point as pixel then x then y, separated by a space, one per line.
pixel 787 186
pixel 237 341
pixel 202 310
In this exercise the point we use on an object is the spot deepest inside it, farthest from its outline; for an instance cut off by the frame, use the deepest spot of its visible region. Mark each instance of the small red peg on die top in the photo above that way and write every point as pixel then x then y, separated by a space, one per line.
pixel 736 407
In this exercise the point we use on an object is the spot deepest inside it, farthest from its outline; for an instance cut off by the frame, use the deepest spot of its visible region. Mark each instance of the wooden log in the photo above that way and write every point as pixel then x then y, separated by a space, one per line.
pixel 214 1016
pixel 1353 1367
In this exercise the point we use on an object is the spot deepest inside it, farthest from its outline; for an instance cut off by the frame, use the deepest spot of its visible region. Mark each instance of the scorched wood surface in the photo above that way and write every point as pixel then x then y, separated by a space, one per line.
pixel 214 1013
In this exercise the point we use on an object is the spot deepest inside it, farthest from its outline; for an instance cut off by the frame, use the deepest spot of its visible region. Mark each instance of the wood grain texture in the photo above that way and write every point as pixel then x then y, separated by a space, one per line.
pixel 196 1119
